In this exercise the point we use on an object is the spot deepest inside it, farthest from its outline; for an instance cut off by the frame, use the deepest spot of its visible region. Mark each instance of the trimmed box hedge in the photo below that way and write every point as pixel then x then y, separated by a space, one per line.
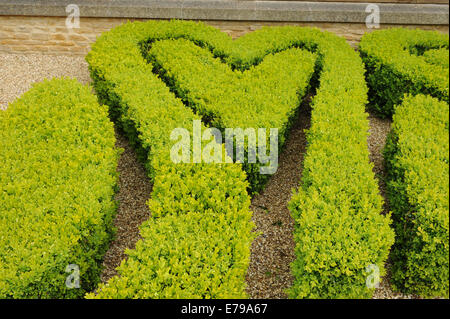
pixel 409 68
pixel 197 242
pixel 398 62
pixel 417 160
pixel 339 187
pixel 339 229
pixel 57 182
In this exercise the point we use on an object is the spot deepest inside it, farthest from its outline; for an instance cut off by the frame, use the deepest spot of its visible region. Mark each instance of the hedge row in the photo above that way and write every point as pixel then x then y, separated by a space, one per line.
pixel 57 182
pixel 398 62
pixel 339 228
pixel 197 243
pixel 416 152
pixel 417 158
pixel 266 96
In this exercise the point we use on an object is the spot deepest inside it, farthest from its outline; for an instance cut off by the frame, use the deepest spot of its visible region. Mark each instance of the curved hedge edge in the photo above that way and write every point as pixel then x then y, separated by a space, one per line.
pixel 57 182
pixel 205 203
pixel 265 96
pixel 437 56
pixel 396 64
pixel 417 158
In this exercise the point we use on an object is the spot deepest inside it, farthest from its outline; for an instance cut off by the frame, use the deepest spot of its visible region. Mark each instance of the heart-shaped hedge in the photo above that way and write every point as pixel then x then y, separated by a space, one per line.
pixel 197 243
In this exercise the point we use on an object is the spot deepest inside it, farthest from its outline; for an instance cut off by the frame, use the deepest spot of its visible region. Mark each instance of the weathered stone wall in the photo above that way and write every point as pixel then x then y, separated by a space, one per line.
pixel 28 34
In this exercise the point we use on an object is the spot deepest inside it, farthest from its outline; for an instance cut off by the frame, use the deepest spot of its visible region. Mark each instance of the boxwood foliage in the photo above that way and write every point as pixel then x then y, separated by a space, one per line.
pixel 197 242
pixel 57 182
pixel 437 56
pixel 402 61
pixel 266 96
pixel 417 158
pixel 414 62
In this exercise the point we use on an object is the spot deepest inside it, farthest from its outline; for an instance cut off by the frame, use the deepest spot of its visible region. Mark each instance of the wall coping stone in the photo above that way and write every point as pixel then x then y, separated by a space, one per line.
pixel 234 10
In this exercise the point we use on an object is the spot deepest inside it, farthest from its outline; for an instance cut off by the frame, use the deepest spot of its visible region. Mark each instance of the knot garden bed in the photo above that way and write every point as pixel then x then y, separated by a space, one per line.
pixel 158 76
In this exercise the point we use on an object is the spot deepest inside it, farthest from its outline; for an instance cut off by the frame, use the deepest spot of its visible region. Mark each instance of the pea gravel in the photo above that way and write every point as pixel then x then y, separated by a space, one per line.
pixel 19 71
pixel 134 191
pixel 271 253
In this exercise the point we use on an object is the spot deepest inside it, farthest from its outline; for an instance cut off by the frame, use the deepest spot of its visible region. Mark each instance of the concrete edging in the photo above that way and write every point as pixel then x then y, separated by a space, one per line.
pixel 233 10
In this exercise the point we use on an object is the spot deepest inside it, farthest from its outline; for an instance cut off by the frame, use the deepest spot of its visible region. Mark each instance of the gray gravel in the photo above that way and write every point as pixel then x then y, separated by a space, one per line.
pixel 379 129
pixel 272 252
pixel 134 191
pixel 19 71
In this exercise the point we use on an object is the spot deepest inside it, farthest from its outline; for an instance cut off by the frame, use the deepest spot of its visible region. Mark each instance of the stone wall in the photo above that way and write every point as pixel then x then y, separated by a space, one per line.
pixel 40 26
pixel 49 34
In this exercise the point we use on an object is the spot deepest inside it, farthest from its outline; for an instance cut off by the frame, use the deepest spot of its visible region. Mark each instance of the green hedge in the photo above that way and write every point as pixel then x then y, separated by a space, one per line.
pixel 339 187
pixel 339 229
pixel 417 158
pixel 57 182
pixel 197 243
pixel 398 62
pixel 266 96
pixel 414 62
pixel 437 56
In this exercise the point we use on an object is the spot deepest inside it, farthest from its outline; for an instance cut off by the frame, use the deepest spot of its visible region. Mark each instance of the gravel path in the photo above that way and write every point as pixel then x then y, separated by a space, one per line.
pixel 272 252
pixel 134 191
pixel 19 71
pixel 379 129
